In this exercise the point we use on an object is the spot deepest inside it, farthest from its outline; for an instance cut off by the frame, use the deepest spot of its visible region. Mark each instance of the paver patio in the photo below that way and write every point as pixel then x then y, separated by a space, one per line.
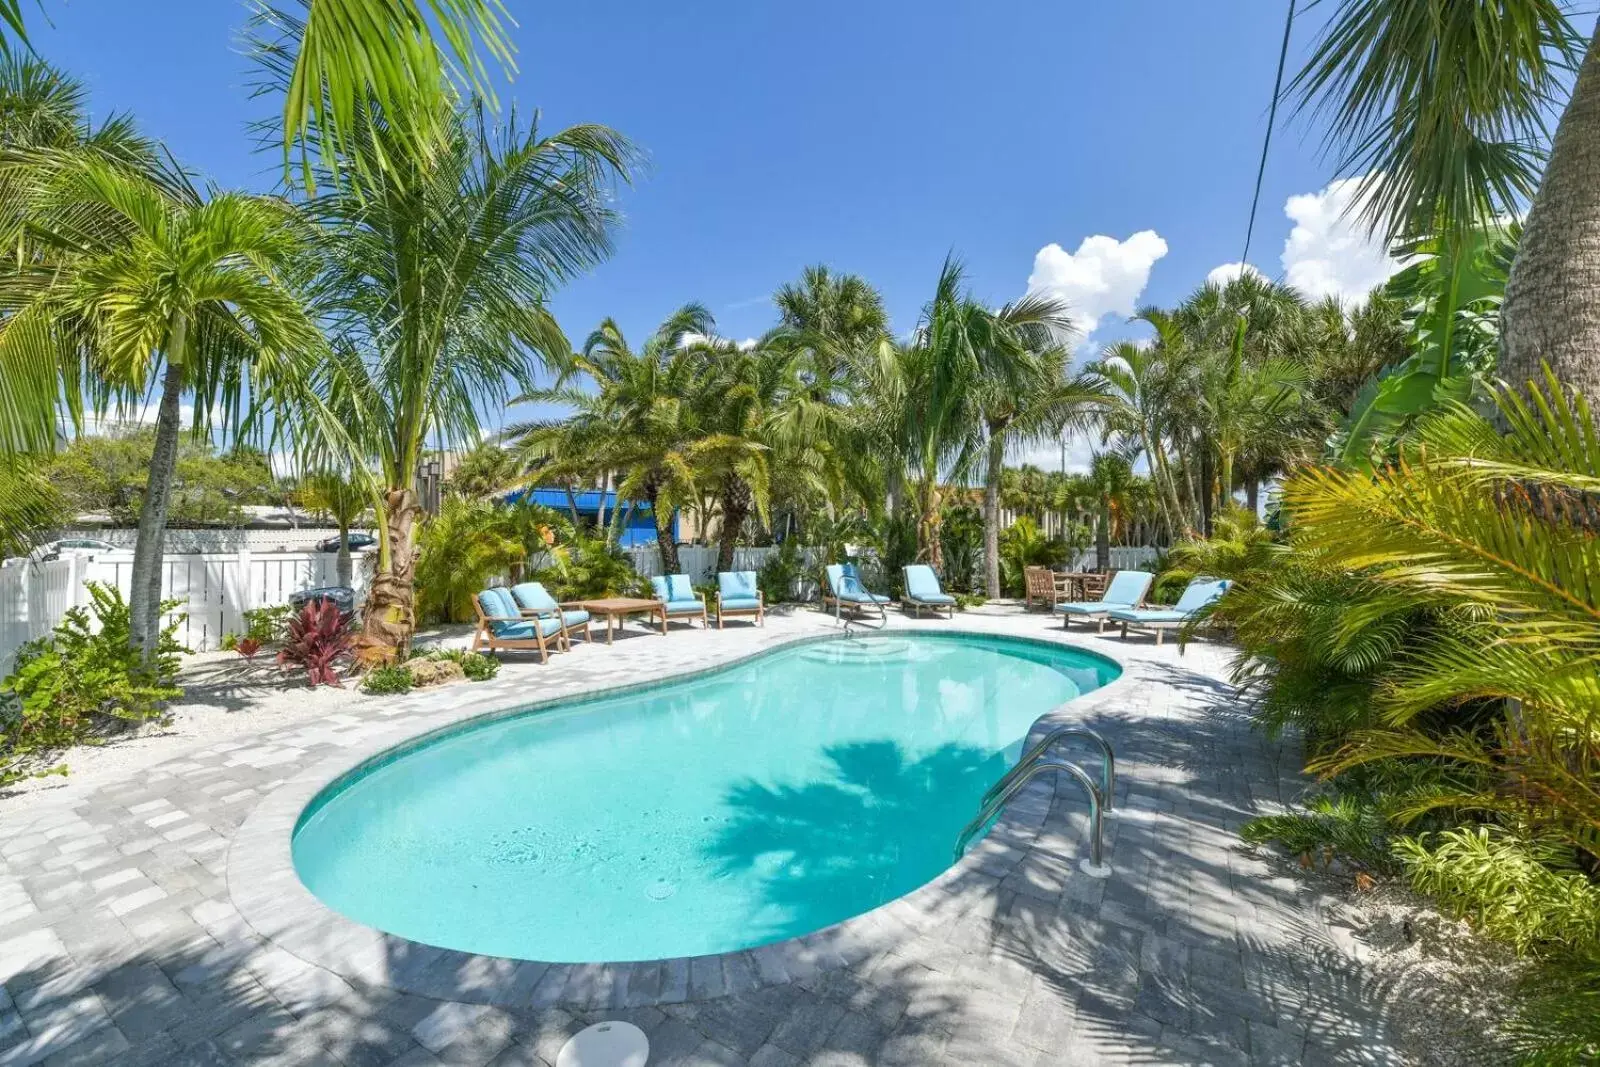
pixel 120 942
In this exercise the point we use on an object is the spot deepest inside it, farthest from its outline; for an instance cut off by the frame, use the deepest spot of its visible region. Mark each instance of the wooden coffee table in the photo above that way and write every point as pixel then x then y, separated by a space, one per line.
pixel 617 608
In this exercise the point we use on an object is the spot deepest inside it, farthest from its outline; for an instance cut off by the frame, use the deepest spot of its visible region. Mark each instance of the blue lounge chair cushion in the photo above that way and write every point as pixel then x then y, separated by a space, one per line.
pixel 1090 608
pixel 923 585
pixel 1147 615
pixel 683 607
pixel 671 587
pixel 524 631
pixel 575 617
pixel 1200 592
pixel 737 585
pixel 739 603
pixel 1127 588
pixel 845 582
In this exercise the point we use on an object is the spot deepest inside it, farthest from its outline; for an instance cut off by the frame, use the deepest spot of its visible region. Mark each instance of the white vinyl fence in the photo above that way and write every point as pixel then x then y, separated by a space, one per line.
pixel 699 562
pixel 1123 558
pixel 303 539
pixel 215 590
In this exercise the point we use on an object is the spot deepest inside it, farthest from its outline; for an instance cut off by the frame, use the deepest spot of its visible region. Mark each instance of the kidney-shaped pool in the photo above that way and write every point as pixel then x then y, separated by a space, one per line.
pixel 760 802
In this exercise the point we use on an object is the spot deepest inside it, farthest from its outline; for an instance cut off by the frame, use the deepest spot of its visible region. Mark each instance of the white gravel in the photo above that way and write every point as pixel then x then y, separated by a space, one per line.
pixel 224 696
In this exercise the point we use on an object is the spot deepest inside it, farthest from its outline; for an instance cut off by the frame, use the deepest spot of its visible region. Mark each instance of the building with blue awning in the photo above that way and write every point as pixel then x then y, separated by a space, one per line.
pixel 638 528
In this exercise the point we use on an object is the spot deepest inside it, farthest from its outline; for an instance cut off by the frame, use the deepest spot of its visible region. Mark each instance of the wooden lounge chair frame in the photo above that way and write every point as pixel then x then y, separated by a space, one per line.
pixel 759 611
pixel 485 637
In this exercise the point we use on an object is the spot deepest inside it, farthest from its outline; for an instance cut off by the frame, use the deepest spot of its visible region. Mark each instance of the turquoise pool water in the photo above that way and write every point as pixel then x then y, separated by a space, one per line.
pixel 760 802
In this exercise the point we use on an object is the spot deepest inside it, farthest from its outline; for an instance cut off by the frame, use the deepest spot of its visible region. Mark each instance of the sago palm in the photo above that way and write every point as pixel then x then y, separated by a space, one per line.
pixel 1497 535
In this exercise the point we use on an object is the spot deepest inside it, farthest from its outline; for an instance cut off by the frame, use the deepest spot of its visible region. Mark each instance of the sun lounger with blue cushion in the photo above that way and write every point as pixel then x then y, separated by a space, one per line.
pixel 678 598
pixel 843 589
pixel 923 591
pixel 534 601
pixel 501 625
pixel 1201 593
pixel 738 594
pixel 1125 593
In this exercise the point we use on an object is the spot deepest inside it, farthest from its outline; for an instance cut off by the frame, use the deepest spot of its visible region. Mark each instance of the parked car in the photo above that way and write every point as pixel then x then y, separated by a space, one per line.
pixel 358 541
pixel 342 595
pixel 72 546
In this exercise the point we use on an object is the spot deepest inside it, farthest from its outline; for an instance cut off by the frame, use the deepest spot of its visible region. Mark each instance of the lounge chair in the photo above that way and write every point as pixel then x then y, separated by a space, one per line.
pixel 534 601
pixel 1126 592
pixel 737 594
pixel 1200 593
pixel 922 591
pixel 842 588
pixel 502 626
pixel 678 598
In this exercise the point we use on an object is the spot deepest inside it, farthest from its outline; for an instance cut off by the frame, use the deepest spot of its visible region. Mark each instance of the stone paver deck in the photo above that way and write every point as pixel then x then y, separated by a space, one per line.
pixel 120 941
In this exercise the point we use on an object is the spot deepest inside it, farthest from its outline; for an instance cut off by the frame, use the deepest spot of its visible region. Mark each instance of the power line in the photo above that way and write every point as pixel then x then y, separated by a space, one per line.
pixel 1266 142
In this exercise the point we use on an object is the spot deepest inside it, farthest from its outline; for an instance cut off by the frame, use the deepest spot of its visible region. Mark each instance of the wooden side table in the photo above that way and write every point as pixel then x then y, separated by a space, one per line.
pixel 617 608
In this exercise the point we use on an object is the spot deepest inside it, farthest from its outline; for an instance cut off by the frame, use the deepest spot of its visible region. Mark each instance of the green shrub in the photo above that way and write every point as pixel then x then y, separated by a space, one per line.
pixel 386 680
pixel 969 600
pixel 476 666
pixel 229 642
pixel 1525 891
pixel 267 625
pixel 82 681
pixel 780 573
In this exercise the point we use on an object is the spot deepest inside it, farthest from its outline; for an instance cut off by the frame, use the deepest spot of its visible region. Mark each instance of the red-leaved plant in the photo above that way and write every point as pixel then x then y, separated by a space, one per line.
pixel 248 647
pixel 319 641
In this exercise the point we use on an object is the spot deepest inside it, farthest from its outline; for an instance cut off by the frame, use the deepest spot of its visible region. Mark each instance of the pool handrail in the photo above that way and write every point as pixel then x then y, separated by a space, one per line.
pixel 1108 762
pixel 1094 864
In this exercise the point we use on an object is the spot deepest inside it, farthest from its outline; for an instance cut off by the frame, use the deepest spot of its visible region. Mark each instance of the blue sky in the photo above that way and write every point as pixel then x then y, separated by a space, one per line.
pixel 875 137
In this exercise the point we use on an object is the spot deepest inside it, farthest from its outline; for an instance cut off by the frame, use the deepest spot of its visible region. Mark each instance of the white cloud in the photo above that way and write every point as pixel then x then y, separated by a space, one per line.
pixel 693 338
pixel 1103 277
pixel 1227 272
pixel 1329 253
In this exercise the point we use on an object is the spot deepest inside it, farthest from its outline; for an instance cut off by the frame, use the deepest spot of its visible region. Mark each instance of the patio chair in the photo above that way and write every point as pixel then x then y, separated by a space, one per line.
pixel 737 594
pixel 1038 584
pixel 1201 593
pixel 678 598
pixel 843 589
pixel 1095 583
pixel 501 626
pixel 923 591
pixel 534 601
pixel 1126 591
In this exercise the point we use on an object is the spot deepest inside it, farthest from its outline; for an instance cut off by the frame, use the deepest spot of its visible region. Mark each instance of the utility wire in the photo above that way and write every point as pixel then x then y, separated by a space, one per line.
pixel 1266 142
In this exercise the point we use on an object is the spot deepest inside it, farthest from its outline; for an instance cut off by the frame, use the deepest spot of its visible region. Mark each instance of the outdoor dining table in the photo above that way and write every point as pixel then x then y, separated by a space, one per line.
pixel 1069 586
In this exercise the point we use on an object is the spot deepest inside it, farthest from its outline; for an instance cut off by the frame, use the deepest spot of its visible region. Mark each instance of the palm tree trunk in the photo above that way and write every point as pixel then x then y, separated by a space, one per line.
pixel 144 595
pixel 1165 495
pixel 390 615
pixel 665 543
pixel 1252 496
pixel 1551 312
pixel 600 515
pixel 1102 537
pixel 1207 482
pixel 735 509
pixel 991 517
pixel 343 564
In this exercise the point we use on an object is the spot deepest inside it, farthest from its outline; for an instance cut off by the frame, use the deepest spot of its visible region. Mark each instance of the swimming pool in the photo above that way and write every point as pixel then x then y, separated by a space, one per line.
pixel 744 806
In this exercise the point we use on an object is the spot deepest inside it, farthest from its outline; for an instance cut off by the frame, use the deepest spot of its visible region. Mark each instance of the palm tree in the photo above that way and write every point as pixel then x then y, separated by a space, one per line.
pixel 435 271
pixel 643 420
pixel 152 277
pixel 43 110
pixel 1132 377
pixel 1113 479
pixel 1442 107
pixel 1024 397
pixel 342 498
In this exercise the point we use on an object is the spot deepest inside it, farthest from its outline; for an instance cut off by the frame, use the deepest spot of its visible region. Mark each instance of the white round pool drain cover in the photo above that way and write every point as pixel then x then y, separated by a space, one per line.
pixel 608 1044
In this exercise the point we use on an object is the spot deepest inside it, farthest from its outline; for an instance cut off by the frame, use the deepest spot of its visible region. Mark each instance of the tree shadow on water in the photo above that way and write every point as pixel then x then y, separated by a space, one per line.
pixel 881 822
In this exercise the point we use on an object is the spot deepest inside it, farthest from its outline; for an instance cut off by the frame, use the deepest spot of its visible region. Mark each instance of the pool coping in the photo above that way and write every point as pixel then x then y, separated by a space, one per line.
pixel 271 899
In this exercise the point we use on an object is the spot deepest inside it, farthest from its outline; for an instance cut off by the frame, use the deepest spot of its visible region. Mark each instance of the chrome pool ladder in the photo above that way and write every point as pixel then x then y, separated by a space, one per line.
pixel 1034 762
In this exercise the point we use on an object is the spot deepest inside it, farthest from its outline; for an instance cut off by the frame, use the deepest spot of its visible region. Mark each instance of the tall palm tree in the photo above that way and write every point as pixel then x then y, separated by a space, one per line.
pixel 43 110
pixel 1443 108
pixel 435 269
pixel 644 419
pixel 1136 411
pixel 153 278
pixel 1113 480
pixel 1024 397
